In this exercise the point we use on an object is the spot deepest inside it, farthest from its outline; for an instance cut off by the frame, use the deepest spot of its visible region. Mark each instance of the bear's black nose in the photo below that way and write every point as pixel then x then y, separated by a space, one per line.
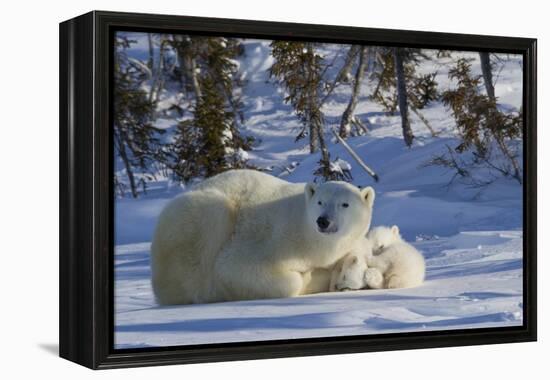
pixel 323 222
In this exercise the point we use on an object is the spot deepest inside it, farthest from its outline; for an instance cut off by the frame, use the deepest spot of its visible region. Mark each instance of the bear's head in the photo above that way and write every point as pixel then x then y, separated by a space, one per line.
pixel 338 209
pixel 382 236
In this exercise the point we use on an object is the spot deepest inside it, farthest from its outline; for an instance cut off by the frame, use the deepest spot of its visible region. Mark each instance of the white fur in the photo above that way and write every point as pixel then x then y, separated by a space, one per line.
pixel 243 235
pixel 352 272
pixel 382 260
pixel 400 263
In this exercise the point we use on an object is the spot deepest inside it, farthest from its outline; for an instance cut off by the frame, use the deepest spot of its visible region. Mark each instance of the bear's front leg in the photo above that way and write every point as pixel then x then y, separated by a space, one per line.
pixel 317 280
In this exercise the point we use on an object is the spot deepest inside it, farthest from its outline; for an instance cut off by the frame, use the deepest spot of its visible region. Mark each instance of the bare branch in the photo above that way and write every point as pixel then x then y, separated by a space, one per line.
pixel 355 155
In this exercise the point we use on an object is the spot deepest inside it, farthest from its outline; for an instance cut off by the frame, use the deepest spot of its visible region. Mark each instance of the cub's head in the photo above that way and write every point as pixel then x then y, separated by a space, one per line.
pixel 352 276
pixel 382 236
pixel 339 209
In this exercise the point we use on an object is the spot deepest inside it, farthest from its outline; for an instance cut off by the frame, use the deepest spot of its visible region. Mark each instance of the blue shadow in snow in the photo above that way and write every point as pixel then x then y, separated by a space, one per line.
pixel 302 321
pixel 487 295
pixel 388 324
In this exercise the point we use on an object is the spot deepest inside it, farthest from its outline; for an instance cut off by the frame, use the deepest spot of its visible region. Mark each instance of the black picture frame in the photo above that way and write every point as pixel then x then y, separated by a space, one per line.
pixel 86 191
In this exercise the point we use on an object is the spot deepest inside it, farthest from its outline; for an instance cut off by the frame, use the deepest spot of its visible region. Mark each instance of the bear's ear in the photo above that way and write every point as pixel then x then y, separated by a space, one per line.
pixel 395 230
pixel 368 195
pixel 310 190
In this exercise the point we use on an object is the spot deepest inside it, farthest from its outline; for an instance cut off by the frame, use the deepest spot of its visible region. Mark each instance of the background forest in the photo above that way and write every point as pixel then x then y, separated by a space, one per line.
pixel 184 110
pixel 438 134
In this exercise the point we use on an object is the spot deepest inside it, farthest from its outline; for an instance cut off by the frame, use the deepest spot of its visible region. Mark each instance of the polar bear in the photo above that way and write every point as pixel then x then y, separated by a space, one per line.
pixel 386 261
pixel 244 234
pixel 401 264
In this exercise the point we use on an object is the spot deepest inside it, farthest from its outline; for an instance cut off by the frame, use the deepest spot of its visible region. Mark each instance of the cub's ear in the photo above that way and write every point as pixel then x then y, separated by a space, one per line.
pixel 368 195
pixel 310 190
pixel 395 230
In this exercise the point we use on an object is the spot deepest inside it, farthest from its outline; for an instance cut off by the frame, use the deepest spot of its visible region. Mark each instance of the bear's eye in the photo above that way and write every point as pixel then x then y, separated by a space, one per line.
pixel 345 205
pixel 319 203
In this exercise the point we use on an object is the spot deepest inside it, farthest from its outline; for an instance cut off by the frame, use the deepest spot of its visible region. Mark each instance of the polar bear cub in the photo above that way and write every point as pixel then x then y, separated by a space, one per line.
pixel 382 260
pixel 352 272
pixel 401 264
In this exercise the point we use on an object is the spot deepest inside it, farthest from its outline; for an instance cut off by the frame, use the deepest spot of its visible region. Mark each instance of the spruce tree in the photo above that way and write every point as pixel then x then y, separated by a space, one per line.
pixel 299 69
pixel 400 86
pixel 211 141
pixel 136 140
pixel 481 124
pixel 200 144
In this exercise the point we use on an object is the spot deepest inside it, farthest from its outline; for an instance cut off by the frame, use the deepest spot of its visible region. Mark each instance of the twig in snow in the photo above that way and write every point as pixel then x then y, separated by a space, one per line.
pixel 355 155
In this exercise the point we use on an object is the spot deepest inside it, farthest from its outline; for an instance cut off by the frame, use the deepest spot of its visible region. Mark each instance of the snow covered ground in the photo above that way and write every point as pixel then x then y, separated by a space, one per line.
pixel 471 237
pixel 474 280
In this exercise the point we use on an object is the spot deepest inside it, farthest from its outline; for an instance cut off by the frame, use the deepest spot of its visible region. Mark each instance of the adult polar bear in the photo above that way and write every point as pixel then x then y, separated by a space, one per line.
pixel 244 234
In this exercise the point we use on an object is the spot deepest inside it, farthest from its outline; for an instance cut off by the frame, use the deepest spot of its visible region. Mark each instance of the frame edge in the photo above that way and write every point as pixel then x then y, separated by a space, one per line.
pixel 76 255
pixel 83 276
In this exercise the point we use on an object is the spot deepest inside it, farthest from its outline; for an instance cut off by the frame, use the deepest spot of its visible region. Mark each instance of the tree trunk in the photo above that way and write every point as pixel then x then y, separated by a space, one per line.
pixel 313 137
pixel 402 97
pixel 191 69
pixel 158 80
pixel 350 109
pixel 487 74
pixel 371 59
pixel 344 71
pixel 127 165
pixel 150 62
pixel 312 109
pixel 325 156
pixel 188 66
pixel 317 139
pixel 360 128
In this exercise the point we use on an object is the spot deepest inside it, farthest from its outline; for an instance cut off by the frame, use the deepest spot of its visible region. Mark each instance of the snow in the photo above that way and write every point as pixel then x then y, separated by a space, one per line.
pixel 471 237
pixel 465 288
pixel 340 166
pixel 242 155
